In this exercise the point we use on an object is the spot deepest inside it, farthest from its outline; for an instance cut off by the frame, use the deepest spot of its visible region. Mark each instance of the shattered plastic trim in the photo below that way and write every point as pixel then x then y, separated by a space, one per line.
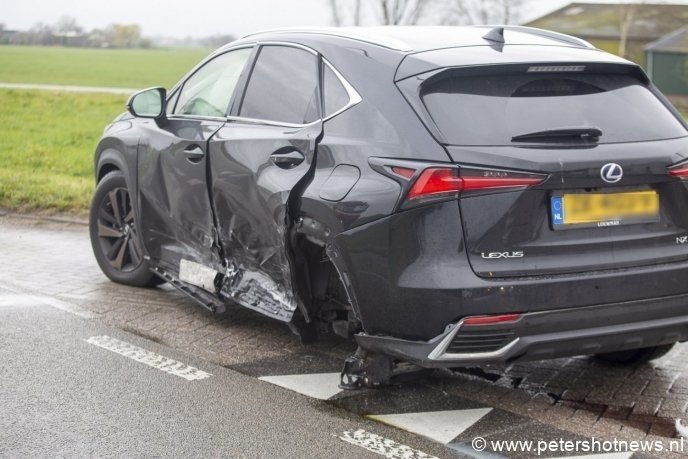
pixel 257 291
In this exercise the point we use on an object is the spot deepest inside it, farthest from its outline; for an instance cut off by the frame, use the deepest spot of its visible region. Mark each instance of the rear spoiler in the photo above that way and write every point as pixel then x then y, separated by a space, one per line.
pixel 509 55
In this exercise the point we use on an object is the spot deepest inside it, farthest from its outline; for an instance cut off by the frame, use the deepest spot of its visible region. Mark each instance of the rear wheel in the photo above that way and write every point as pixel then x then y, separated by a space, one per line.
pixel 643 355
pixel 114 234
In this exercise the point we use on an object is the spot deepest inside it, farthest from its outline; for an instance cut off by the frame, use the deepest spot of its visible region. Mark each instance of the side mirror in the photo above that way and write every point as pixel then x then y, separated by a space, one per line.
pixel 149 103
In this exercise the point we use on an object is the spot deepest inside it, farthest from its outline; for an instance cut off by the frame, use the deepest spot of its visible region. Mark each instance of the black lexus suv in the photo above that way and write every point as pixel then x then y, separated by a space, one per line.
pixel 445 195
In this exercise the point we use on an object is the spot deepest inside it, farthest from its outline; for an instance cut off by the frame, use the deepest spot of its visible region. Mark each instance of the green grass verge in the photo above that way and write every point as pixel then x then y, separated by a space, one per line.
pixel 47 141
pixel 124 68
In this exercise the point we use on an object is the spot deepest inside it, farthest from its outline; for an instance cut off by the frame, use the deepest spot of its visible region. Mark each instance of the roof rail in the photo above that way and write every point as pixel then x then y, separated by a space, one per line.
pixel 370 35
pixel 342 32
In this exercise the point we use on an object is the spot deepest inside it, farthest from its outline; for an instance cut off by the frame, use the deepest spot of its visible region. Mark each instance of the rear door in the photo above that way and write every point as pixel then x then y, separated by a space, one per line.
pixel 259 160
pixel 607 201
pixel 176 214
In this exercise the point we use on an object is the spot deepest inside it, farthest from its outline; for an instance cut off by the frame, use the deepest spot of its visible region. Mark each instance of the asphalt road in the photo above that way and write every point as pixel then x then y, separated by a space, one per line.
pixel 63 396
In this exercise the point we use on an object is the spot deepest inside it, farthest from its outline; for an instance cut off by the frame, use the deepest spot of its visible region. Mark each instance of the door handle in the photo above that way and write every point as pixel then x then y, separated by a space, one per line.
pixel 287 159
pixel 194 153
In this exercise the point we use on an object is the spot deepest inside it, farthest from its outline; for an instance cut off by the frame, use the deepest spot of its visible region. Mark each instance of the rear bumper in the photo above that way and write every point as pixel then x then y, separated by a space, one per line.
pixel 550 334
pixel 408 277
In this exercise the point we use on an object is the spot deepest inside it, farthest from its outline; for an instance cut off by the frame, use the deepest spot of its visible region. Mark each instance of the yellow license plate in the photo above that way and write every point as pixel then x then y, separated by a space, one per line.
pixel 605 209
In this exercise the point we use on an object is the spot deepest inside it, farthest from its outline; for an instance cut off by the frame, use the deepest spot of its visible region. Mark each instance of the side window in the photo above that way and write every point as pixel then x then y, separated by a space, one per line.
pixel 208 91
pixel 283 86
pixel 335 94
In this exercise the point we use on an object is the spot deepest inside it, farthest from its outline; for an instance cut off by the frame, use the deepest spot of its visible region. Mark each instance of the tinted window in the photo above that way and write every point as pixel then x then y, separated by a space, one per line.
pixel 335 94
pixel 491 109
pixel 283 86
pixel 208 91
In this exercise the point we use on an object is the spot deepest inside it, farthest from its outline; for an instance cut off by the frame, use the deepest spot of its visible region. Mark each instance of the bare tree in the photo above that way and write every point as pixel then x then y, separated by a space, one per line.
pixel 386 12
pixel 398 12
pixel 411 12
pixel 68 25
pixel 627 15
pixel 341 15
pixel 482 11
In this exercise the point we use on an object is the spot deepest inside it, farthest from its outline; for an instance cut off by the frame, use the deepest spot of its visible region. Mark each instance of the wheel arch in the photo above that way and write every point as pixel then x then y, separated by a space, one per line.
pixel 110 156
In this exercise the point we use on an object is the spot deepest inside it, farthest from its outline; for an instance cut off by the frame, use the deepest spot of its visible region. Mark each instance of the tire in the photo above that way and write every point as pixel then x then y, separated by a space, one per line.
pixel 631 356
pixel 114 238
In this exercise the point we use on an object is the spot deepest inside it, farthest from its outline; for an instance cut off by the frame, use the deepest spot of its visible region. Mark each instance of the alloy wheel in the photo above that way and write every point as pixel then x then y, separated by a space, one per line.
pixel 117 232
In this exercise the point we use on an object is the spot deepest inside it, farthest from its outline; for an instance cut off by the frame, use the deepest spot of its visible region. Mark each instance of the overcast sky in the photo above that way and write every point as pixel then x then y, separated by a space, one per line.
pixel 196 18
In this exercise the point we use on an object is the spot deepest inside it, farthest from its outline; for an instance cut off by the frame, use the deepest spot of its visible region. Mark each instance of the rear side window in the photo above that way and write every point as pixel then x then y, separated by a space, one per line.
pixel 208 91
pixel 491 109
pixel 283 86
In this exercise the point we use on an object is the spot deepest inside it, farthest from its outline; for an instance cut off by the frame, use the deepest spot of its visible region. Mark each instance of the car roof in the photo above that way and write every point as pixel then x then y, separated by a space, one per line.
pixel 413 39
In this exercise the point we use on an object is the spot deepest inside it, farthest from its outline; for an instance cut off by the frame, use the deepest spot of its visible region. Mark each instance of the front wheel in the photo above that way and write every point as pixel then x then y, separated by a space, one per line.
pixel 114 234
pixel 630 356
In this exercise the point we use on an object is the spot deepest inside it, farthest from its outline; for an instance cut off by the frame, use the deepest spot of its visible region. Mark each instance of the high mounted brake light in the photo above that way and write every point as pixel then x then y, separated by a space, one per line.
pixel 556 68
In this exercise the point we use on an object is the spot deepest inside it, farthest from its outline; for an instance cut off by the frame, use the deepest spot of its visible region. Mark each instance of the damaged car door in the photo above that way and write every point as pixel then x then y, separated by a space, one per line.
pixel 259 161
pixel 177 220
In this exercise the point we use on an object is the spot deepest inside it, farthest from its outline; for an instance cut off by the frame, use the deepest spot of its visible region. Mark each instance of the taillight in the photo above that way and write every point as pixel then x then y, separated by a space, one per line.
pixel 436 182
pixel 679 172
pixel 442 182
pixel 491 320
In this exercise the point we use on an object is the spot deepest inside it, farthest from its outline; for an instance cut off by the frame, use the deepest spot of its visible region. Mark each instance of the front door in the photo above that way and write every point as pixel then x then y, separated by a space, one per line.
pixel 177 221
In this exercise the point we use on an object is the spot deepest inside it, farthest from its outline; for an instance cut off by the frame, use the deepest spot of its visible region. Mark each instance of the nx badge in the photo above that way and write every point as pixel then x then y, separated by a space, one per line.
pixel 498 255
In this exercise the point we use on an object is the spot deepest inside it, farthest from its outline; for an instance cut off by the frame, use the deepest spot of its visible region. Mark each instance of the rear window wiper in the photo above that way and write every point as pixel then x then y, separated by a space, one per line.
pixel 581 132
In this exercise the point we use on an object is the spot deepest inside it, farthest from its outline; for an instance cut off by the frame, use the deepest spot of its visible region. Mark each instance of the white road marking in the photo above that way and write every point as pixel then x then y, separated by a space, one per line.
pixel 18 299
pixel 382 445
pixel 681 429
pixel 322 386
pixel 440 426
pixel 149 358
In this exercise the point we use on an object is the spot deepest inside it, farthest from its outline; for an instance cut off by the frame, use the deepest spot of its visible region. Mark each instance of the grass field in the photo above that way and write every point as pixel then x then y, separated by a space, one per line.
pixel 46 147
pixel 46 138
pixel 125 68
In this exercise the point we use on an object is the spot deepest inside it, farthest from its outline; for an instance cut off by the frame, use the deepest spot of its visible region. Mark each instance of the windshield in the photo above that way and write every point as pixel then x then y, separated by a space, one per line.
pixel 493 109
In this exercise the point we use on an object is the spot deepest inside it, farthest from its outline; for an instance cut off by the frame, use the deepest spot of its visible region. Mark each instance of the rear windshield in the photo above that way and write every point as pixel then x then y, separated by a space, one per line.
pixel 492 109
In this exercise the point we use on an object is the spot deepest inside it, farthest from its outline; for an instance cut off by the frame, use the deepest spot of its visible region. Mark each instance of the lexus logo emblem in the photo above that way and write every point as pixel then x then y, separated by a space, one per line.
pixel 611 173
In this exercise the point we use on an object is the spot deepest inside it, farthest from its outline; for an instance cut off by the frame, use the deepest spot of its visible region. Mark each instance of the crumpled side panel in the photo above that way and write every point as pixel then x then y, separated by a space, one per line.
pixel 256 290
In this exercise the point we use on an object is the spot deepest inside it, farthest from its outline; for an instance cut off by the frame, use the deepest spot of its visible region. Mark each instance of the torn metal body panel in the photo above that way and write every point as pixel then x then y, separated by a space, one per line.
pixel 251 192
pixel 256 290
